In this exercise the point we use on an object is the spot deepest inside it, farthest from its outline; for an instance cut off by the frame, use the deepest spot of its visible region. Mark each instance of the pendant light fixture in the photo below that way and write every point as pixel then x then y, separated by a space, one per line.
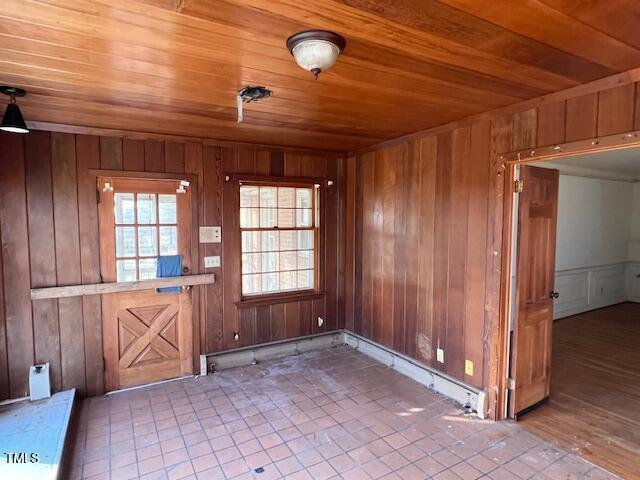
pixel 13 121
pixel 316 50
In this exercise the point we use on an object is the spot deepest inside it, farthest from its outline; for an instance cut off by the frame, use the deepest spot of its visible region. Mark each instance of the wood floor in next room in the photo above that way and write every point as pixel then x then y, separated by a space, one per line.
pixel 594 409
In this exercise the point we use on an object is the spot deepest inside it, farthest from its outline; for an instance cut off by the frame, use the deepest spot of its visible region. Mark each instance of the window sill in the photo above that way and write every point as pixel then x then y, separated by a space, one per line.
pixel 275 299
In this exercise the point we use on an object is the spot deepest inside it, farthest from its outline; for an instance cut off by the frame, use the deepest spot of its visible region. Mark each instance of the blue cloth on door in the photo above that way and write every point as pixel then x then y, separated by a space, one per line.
pixel 169 266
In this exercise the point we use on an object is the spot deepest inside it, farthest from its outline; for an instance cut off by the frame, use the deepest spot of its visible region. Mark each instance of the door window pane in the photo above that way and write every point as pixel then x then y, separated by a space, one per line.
pixel 147 241
pixel 126 270
pixel 167 209
pixel 168 240
pixel 146 208
pixel 125 242
pixel 148 268
pixel 124 208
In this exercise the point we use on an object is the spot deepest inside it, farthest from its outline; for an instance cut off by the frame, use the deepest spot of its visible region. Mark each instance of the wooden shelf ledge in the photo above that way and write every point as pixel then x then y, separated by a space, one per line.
pixel 117 287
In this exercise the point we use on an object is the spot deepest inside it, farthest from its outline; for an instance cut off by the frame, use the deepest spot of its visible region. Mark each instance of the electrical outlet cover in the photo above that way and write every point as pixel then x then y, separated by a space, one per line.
pixel 320 321
pixel 440 355
pixel 468 368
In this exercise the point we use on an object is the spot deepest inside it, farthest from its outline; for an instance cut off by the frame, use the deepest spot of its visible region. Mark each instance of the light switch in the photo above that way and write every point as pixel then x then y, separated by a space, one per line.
pixel 210 234
pixel 440 355
pixel 211 262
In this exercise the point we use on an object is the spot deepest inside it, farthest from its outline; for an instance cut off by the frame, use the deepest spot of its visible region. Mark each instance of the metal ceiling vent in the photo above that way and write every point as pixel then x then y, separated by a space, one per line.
pixel 250 94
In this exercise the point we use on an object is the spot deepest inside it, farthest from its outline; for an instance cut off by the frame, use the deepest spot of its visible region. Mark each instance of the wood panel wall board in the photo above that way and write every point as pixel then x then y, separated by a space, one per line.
pixel 278 327
pixel 525 128
pixel 427 172
pixel 457 265
pixel 4 359
pixel 616 110
pixel 133 154
pixel 551 123
pixel 441 242
pixel 216 304
pixel 154 155
pixel 478 179
pixel 88 157
pixel 292 319
pixel 67 242
pixel 37 153
pixel 582 117
pixel 15 259
pixel 111 153
pixel 193 164
pixel 174 157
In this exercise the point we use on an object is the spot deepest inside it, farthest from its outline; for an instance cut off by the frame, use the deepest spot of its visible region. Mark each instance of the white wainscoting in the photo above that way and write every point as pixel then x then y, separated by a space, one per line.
pixel 584 289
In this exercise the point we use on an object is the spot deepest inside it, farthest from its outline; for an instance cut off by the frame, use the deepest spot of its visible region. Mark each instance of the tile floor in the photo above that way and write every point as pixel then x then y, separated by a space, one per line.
pixel 327 414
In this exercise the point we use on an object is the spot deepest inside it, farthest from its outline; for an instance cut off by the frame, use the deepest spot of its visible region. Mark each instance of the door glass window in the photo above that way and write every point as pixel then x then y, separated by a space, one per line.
pixel 146 225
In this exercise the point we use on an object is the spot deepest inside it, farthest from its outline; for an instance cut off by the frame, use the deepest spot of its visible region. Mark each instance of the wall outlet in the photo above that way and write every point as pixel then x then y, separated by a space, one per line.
pixel 320 321
pixel 211 262
pixel 210 234
pixel 468 368
pixel 440 355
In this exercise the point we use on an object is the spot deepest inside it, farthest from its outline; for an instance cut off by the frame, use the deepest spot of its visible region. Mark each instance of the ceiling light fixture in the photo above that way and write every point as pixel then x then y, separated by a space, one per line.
pixel 13 120
pixel 316 50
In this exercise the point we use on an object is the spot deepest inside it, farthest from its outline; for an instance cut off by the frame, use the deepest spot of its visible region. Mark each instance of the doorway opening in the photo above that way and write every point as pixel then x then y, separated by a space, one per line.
pixel 574 304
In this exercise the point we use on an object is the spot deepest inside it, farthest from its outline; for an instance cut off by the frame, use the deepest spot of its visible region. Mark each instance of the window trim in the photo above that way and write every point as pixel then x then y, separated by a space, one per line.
pixel 317 291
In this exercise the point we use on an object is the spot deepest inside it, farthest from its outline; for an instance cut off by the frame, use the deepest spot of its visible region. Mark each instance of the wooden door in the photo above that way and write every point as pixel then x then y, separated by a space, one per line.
pixel 147 336
pixel 531 354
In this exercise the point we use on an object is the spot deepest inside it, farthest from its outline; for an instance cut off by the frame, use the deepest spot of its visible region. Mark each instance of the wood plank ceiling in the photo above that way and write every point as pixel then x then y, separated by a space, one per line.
pixel 174 66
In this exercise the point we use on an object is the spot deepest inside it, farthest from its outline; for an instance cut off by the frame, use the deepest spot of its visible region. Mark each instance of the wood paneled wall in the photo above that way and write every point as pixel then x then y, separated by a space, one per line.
pixel 424 253
pixel 49 236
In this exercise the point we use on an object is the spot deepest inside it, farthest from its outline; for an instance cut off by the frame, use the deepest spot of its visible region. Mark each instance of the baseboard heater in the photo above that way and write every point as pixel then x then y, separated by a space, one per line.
pixel 466 395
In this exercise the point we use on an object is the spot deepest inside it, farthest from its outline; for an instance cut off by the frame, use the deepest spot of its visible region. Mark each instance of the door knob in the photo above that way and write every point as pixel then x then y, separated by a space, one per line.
pixel 553 294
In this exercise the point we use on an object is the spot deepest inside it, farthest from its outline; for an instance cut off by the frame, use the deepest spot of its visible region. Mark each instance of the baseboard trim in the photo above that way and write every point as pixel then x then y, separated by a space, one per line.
pixel 435 380
pixel 462 393
pixel 250 355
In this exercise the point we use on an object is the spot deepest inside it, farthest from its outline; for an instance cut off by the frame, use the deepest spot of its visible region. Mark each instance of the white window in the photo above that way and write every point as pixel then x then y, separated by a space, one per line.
pixel 279 238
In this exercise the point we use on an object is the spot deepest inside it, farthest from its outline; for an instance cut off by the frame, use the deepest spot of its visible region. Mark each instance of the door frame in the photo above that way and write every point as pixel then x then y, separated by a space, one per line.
pixel 198 332
pixel 498 349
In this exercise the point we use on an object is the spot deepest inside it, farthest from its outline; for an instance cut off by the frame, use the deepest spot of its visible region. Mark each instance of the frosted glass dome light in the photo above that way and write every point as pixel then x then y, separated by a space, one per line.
pixel 316 50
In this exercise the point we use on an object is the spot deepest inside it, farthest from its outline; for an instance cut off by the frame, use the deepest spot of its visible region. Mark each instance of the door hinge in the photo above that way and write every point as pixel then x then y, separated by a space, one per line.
pixel 511 384
pixel 518 186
